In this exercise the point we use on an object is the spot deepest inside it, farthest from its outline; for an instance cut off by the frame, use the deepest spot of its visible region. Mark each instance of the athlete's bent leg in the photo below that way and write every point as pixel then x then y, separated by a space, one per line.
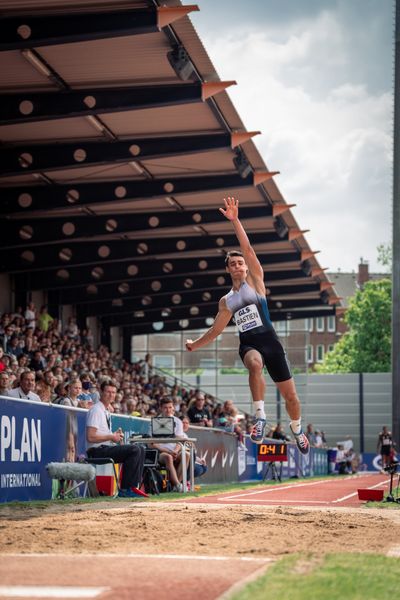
pixel 288 390
pixel 254 363
pixel 292 402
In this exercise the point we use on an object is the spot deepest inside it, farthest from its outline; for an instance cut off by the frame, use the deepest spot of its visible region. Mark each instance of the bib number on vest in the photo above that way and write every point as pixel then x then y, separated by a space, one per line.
pixel 248 318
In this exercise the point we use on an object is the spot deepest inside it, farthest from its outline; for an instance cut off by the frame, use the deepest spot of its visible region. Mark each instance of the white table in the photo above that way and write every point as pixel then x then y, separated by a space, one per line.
pixel 184 443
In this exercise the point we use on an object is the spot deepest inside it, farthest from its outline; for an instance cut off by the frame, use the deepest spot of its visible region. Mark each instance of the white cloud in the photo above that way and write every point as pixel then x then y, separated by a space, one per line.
pixel 330 138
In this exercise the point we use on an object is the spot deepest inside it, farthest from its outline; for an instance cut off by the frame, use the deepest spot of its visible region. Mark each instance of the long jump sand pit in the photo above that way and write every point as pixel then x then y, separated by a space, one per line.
pixel 141 527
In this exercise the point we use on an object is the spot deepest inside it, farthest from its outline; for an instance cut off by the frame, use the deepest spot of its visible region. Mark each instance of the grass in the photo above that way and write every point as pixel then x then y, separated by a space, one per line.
pixel 333 576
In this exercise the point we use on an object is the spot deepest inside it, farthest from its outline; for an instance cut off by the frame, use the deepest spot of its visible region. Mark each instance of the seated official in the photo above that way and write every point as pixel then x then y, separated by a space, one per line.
pixel 101 442
pixel 170 453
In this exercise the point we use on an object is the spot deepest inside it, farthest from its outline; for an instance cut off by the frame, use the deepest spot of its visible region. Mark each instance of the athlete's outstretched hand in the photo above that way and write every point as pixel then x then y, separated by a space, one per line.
pixel 231 210
pixel 189 345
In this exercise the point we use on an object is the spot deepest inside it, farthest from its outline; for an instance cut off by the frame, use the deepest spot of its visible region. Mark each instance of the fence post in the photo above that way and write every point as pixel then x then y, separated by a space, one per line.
pixel 361 410
pixel 278 406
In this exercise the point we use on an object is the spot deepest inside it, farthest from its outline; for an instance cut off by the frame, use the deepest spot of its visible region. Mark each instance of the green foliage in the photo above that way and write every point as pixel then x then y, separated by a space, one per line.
pixel 366 347
pixel 385 256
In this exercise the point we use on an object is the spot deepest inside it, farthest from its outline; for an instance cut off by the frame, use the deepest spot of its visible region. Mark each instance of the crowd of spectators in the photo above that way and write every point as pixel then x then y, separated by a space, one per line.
pixel 42 360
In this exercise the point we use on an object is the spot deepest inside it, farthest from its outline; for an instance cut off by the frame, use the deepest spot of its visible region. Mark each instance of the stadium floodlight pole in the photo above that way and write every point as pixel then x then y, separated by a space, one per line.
pixel 396 243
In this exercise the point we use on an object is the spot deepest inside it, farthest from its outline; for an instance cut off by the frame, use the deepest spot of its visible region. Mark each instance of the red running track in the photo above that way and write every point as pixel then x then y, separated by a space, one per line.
pixel 333 491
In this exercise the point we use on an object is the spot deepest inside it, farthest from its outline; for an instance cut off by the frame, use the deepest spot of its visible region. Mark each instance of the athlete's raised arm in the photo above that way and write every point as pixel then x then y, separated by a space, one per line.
pixel 220 322
pixel 231 212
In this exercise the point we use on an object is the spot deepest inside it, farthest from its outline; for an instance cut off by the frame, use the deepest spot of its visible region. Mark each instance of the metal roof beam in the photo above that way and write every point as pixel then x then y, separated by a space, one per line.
pixel 49 197
pixel 142 326
pixel 205 282
pixel 192 301
pixel 31 31
pixel 31 106
pixel 200 323
pixel 29 233
pixel 34 158
pixel 77 254
pixel 142 269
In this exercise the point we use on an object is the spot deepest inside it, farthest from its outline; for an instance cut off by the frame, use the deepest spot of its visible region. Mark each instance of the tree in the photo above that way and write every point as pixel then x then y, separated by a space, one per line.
pixel 385 256
pixel 366 346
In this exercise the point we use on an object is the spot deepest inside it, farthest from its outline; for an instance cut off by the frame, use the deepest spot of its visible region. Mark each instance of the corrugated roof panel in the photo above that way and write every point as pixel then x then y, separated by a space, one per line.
pixel 57 130
pixel 115 61
pixel 169 119
pixel 192 164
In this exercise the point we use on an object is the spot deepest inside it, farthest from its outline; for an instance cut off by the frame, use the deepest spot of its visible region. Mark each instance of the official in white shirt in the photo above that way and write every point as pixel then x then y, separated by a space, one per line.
pixel 27 382
pixel 102 442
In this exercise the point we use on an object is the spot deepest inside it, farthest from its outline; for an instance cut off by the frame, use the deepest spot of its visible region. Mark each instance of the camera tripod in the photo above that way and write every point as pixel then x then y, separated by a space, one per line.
pixel 276 473
pixel 392 470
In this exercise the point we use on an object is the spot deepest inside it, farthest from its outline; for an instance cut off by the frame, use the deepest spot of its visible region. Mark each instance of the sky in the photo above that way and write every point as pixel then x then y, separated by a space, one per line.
pixel 315 77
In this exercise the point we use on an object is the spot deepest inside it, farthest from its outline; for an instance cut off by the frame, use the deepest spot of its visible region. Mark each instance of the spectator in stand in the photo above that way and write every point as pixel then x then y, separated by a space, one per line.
pixel 279 434
pixel 30 316
pixel 44 390
pixel 102 442
pixel 2 361
pixel 318 443
pixel 310 434
pixel 198 414
pixel 7 334
pixel 37 363
pixel 87 338
pixel 60 391
pixel 89 392
pixel 170 453
pixel 146 367
pixel 385 445
pixel 4 383
pixel 74 388
pixel 27 384
pixel 72 330
pixel 14 346
pixel 44 319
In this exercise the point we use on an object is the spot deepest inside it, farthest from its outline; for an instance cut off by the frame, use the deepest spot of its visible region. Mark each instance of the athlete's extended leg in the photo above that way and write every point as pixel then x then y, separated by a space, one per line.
pixel 288 390
pixel 254 363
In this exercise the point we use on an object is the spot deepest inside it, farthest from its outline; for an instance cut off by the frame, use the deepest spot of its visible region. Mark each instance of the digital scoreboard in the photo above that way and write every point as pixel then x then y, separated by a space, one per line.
pixel 272 451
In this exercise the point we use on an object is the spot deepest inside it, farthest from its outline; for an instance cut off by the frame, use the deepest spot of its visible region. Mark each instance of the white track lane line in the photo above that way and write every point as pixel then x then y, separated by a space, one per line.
pixel 356 493
pixel 282 501
pixel 47 591
pixel 136 555
pixel 274 489
pixel 295 485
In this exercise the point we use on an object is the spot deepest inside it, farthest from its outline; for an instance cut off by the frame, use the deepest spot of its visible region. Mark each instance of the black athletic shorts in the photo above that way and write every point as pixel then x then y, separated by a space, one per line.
pixel 271 349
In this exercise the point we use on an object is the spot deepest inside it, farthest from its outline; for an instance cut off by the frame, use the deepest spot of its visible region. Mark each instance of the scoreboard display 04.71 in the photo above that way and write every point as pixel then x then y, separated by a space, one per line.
pixel 272 451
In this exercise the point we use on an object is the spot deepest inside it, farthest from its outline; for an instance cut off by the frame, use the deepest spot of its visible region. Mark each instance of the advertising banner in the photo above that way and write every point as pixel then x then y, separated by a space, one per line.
pixel 296 464
pixel 34 434
pixel 219 449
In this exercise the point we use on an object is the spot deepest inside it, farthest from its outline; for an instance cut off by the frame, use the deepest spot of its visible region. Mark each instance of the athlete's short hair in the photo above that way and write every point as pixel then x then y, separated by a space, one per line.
pixel 232 253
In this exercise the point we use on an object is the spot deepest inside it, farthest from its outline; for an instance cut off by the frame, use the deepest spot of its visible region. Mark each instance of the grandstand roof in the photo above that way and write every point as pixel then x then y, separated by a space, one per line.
pixel 118 143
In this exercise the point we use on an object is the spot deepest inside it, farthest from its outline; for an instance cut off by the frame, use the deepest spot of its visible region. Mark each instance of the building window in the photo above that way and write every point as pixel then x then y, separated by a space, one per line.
pixel 282 328
pixel 331 323
pixel 320 353
pixel 330 347
pixel 310 325
pixel 309 353
pixel 320 324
